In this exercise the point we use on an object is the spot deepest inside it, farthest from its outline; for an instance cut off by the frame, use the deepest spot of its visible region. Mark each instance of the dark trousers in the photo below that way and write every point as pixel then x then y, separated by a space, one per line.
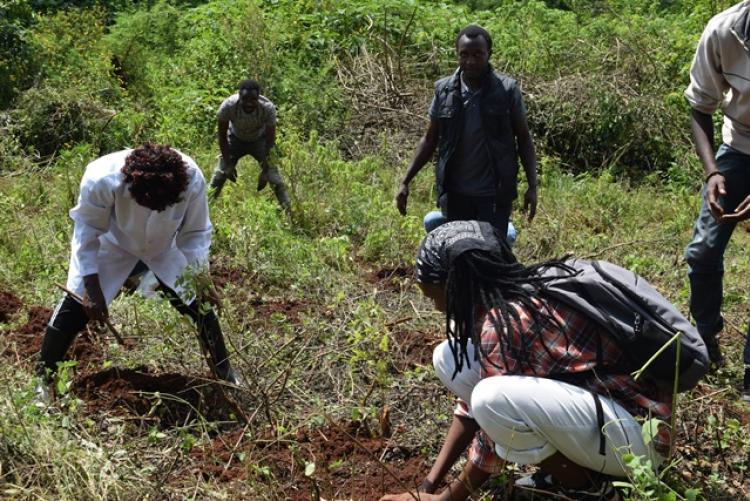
pixel 69 318
pixel 469 208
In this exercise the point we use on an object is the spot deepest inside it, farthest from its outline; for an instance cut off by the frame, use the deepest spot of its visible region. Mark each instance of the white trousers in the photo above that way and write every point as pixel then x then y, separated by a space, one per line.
pixel 530 418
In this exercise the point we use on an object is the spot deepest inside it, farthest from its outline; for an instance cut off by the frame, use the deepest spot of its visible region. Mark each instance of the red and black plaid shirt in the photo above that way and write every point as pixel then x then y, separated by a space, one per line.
pixel 571 349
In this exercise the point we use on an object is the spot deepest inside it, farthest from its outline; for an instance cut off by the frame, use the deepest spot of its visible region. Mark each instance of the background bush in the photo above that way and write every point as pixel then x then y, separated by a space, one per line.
pixel 603 81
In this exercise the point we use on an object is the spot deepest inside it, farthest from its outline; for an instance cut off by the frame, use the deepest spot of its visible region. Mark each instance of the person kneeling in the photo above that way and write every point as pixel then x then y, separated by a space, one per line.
pixel 535 378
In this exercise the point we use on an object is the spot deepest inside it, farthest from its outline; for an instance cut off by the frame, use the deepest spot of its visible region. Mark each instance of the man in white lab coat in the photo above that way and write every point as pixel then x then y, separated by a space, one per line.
pixel 138 209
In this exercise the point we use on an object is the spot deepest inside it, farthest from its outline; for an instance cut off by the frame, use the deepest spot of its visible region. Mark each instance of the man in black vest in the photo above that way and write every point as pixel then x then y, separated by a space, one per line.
pixel 478 120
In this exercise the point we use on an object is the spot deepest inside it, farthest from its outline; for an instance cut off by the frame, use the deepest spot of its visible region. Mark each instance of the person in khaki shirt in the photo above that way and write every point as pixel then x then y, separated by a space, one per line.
pixel 720 78
pixel 247 126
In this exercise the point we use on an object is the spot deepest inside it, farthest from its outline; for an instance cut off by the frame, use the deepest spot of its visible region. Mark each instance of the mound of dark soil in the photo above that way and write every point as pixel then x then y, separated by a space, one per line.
pixel 413 348
pixel 167 400
pixel 9 306
pixel 23 343
pixel 393 279
pixel 290 310
pixel 346 461
pixel 223 274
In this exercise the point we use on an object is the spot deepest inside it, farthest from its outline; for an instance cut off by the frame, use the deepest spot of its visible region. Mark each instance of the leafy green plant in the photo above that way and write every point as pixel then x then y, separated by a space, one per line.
pixel 645 485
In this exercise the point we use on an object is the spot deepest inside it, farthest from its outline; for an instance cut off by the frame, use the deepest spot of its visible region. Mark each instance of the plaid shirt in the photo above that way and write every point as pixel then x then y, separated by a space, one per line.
pixel 575 355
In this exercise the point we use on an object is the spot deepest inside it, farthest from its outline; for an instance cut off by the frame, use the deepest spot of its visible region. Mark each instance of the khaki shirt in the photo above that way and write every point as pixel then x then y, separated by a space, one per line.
pixel 720 74
pixel 247 126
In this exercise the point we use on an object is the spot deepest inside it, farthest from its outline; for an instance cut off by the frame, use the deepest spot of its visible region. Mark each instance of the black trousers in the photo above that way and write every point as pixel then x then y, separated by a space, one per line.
pixel 69 318
pixel 467 208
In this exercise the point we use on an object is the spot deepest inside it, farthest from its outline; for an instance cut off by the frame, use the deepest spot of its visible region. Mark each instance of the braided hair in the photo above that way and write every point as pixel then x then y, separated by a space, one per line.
pixel 480 270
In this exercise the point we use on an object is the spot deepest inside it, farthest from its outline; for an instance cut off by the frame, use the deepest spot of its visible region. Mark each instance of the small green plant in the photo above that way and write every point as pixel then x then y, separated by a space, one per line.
pixel 155 435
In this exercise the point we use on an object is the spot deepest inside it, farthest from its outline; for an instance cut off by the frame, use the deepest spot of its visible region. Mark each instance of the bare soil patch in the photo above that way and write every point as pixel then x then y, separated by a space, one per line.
pixel 259 306
pixel 262 311
pixel 413 348
pixel 223 274
pixel 391 278
pixel 346 461
pixel 166 400
pixel 710 442
pixel 22 344
pixel 288 310
pixel 9 306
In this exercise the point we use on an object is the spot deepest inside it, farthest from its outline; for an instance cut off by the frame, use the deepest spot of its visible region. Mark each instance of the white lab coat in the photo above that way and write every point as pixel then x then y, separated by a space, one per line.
pixel 112 232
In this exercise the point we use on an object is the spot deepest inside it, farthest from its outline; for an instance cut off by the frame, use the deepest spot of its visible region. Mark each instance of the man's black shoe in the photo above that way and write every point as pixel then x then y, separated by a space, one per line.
pixel 714 351
pixel 538 485
pixel 539 480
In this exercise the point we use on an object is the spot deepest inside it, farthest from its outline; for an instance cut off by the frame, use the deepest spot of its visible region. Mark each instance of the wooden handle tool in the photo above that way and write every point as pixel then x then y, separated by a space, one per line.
pixel 107 322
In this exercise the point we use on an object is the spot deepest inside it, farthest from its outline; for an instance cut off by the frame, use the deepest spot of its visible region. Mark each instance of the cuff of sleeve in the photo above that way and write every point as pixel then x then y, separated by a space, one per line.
pixel 482 454
pixel 90 269
pixel 462 409
pixel 701 102
pixel 196 260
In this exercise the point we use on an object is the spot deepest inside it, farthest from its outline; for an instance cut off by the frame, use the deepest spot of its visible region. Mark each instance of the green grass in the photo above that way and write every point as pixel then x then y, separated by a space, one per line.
pixel 311 329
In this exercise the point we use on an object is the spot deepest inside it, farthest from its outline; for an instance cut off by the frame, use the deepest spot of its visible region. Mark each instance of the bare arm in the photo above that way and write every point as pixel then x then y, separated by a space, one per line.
pixel 527 154
pixel 471 479
pixel 459 436
pixel 425 149
pixel 703 134
pixel 270 141
pixel 94 303
pixel 223 141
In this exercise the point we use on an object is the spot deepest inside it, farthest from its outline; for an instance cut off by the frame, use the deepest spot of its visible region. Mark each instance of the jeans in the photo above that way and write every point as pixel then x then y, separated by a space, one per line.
pixel 435 218
pixel 705 252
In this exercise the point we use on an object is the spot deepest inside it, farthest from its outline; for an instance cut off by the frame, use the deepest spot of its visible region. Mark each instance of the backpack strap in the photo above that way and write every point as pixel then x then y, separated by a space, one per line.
pixel 576 379
pixel 599 422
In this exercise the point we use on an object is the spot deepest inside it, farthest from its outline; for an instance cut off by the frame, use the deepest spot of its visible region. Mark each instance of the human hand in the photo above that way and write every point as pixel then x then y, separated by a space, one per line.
pixel 410 496
pixel 402 197
pixel 741 213
pixel 209 294
pixel 529 202
pixel 715 188
pixel 94 303
pixel 263 178
pixel 427 487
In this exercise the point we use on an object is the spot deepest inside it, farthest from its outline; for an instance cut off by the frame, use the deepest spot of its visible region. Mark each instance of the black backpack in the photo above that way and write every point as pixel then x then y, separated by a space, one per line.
pixel 636 315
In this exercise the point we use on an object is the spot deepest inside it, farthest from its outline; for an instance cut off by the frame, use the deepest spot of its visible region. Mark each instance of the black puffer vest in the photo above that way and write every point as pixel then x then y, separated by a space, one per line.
pixel 495 112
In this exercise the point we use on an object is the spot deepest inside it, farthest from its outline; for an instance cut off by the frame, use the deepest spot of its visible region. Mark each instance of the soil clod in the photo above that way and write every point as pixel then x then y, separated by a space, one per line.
pixel 343 469
pixel 167 400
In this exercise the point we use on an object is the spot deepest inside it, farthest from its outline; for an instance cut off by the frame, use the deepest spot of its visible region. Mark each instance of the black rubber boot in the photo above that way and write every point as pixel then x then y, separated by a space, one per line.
pixel 281 195
pixel 215 187
pixel 212 340
pixel 746 385
pixel 54 347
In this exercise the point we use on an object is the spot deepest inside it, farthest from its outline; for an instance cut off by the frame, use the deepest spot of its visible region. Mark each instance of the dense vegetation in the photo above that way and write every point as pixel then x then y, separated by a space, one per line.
pixel 603 83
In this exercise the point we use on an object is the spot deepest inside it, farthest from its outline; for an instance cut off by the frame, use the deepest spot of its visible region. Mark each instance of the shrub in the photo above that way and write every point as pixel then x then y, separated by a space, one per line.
pixel 48 119
pixel 18 63
pixel 594 121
